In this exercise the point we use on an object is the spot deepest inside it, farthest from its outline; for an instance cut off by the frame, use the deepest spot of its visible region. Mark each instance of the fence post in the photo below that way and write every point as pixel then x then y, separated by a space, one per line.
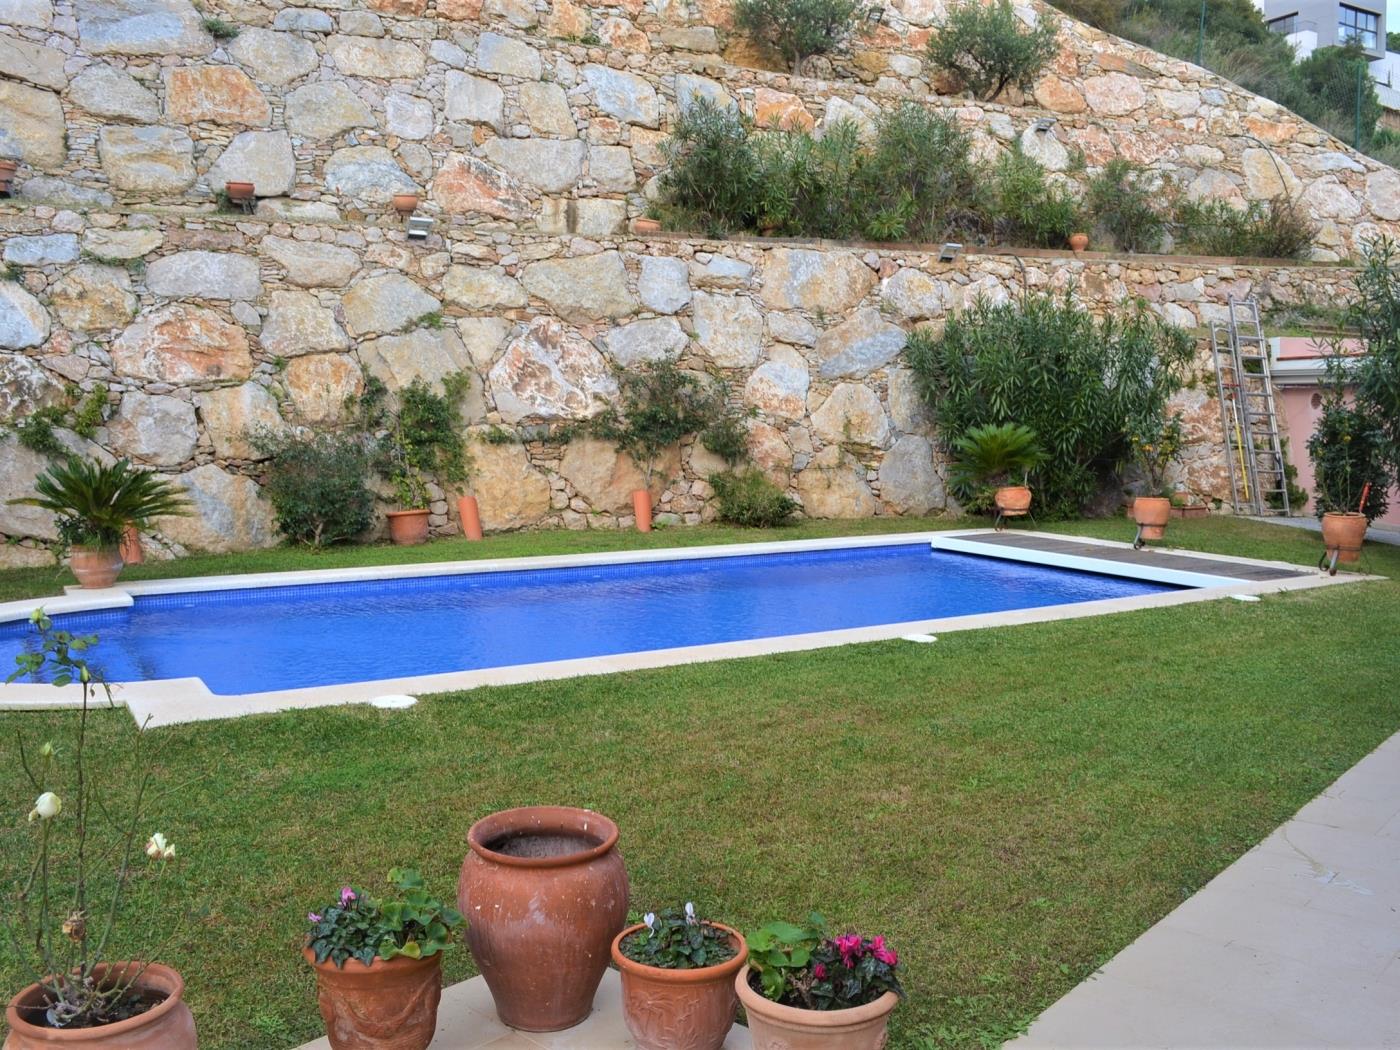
pixel 1360 88
pixel 1201 38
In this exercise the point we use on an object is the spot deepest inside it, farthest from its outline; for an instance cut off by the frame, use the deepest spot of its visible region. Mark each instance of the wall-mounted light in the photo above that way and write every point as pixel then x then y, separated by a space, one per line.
pixel 1044 124
pixel 874 14
pixel 949 252
pixel 418 227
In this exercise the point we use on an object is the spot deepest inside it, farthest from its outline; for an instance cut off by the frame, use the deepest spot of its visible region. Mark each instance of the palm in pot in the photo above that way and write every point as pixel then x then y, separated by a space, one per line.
pixel 989 461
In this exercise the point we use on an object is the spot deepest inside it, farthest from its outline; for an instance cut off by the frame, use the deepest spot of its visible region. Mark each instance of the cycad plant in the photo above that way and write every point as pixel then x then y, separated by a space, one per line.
pixel 994 455
pixel 95 502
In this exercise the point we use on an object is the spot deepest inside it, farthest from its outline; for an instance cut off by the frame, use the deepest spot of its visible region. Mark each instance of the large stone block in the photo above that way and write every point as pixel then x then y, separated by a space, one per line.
pixel 914 295
pixel 263 158
pixel 38 65
pixel 44 189
pixel 226 513
pixel 367 172
pixel 325 110
pixel 656 339
pixel 204 275
pixel 154 429
pixel 23 320
pixel 664 284
pixel 120 244
pixel 408 117
pixel 852 415
pixel 273 58
pixel 611 168
pixel 41 250
pixel 909 481
pixel 1383 193
pixel 147 159
pixel 550 165
pixel 483 336
pixel 105 91
pixel 779 386
pixel 550 372
pixel 818 282
pixel 479 288
pixel 625 96
pixel 321 385
pixel 859 346
pixel 587 288
pixel 25 386
pixel 833 485
pixel 1114 94
pixel 690 87
pixel 142 27
pixel 312 264
pixel 386 59
pixel 468 184
pixel 230 413
pixel 1266 175
pixel 298 324
pixel 182 343
pixel 36 14
pixel 502 54
pixel 780 109
pixel 606 478
pixel 546 108
pixel 423 354
pixel 217 94
pixel 388 303
pixel 907 406
pixel 93 298
pixel 474 99
pixel 511 494
pixel 32 127
pixel 729 328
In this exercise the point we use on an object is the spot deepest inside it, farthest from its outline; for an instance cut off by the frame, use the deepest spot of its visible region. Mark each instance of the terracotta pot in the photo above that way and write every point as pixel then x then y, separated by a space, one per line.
pixel 168 1025
pixel 679 1009
pixel 470 514
pixel 408 527
pixel 7 174
pixel 544 890
pixel 1013 499
pixel 1079 241
pixel 239 191
pixel 130 550
pixel 94 566
pixel 641 509
pixel 387 1005
pixel 777 1027
pixel 405 203
pixel 1344 533
pixel 645 226
pixel 1152 513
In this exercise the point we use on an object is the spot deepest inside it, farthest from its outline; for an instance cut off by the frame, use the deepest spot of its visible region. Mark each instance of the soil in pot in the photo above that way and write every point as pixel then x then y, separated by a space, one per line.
pixel 167 1025
pixel 95 567
pixel 388 1005
pixel 774 1026
pixel 544 890
pixel 679 1009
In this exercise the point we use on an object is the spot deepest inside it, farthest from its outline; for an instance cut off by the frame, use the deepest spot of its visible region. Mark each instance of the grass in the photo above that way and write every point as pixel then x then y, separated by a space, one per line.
pixel 1011 807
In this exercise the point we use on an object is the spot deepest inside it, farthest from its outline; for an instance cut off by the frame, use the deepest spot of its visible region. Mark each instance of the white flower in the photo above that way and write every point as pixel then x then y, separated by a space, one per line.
pixel 46 807
pixel 690 913
pixel 650 919
pixel 158 849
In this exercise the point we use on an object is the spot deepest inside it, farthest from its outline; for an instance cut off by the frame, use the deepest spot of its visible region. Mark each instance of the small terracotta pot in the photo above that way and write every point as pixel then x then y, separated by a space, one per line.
pixel 7 174
pixel 239 191
pixel 408 527
pixel 777 1027
pixel 168 1025
pixel 641 509
pixel 95 567
pixel 1012 500
pixel 679 1009
pixel 544 890
pixel 645 226
pixel 1079 241
pixel 130 550
pixel 1152 513
pixel 470 514
pixel 1344 533
pixel 387 1005
pixel 405 203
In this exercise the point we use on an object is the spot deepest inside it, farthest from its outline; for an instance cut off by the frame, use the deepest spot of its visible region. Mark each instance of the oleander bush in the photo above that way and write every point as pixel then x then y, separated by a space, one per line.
pixel 316 484
pixel 1276 230
pixel 1121 201
pixel 711 175
pixel 750 498
pixel 1026 207
pixel 1375 314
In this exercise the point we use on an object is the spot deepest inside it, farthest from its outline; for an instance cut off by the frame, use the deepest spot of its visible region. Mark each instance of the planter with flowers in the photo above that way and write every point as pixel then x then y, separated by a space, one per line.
pixel 378 964
pixel 678 979
pixel 66 911
pixel 806 990
pixel 1155 442
pixel 989 459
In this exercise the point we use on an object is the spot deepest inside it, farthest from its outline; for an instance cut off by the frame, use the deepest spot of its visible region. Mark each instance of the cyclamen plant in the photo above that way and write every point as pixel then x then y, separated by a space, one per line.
pixel 678 939
pixel 804 967
pixel 358 926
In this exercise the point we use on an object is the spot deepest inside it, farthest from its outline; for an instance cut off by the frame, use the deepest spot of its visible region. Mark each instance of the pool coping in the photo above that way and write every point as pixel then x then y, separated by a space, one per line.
pixel 176 700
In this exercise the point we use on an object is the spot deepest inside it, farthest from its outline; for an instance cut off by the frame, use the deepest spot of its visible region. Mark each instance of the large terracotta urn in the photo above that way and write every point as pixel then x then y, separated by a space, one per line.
pixel 544 892
pixel 1343 533
pixel 391 1004
pixel 1013 500
pixel 95 567
pixel 1152 513
pixel 774 1026
pixel 679 1009
pixel 168 1025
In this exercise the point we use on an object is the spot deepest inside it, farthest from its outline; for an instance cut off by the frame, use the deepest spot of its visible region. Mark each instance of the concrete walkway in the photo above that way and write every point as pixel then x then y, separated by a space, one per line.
pixel 1296 944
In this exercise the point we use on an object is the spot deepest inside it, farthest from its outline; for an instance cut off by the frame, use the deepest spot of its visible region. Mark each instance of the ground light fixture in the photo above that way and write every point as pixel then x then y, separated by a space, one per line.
pixel 418 227
pixel 949 252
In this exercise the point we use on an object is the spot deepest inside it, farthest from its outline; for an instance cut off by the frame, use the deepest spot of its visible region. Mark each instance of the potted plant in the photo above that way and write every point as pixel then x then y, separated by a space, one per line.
pixel 239 192
pixel 94 504
pixel 378 964
pixel 1079 242
pixel 1155 443
pixel 990 457
pixel 546 890
pixel 657 405
pixel 405 203
pixel 646 225
pixel 678 979
pixel 803 988
pixel 65 913
pixel 408 525
pixel 1351 479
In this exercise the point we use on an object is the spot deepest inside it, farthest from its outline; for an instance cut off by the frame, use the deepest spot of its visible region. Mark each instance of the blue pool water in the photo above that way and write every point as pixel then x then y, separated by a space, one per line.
pixel 269 638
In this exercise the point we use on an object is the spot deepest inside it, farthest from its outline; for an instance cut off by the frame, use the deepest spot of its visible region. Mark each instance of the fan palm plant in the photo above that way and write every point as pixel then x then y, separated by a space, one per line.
pixel 993 454
pixel 95 502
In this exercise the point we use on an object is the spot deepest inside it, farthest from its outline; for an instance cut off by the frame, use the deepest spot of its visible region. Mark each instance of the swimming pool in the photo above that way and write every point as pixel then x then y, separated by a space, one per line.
pixel 290 637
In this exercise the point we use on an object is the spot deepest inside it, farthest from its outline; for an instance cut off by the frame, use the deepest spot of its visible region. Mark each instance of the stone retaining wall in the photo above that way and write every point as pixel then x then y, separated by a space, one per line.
pixel 202 327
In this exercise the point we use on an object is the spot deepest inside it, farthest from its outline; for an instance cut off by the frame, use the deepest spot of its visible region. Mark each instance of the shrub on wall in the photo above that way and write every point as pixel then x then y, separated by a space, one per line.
pixel 1276 230
pixel 919 170
pixel 1121 201
pixel 749 498
pixel 1348 452
pixel 988 48
pixel 711 171
pixel 657 405
pixel 798 29
pixel 1375 313
pixel 1045 362
pixel 1027 208
pixel 316 484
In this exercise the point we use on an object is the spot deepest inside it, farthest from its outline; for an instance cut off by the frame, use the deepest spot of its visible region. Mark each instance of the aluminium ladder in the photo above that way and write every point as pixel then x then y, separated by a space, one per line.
pixel 1249 412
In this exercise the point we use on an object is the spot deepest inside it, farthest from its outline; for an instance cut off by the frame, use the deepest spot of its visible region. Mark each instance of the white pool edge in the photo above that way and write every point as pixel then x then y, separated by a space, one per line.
pixel 177 700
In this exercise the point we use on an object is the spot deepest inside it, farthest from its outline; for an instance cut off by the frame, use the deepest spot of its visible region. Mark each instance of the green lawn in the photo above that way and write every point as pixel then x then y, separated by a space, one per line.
pixel 1009 806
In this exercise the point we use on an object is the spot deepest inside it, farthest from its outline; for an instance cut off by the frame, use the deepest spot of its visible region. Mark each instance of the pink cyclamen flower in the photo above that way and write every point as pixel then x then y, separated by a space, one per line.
pixel 888 956
pixel 311 916
pixel 346 895
pixel 849 947
pixel 819 972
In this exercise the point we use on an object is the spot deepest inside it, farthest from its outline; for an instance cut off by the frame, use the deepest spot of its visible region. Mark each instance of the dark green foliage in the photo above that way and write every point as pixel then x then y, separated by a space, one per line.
pixel 657 405
pixel 413 924
pixel 749 498
pixel 807 186
pixel 996 454
pixel 1375 313
pixel 1326 86
pixel 1074 379
pixel 1348 452
pixel 920 171
pixel 220 29
pixel 1276 230
pixel 1027 209
pixel 316 484
pixel 420 438
pixel 95 502
pixel 726 436
pixel 989 48
pixel 1102 14
pixel 798 29
pixel 1121 200
pixel 36 431
pixel 677 939
pixel 711 171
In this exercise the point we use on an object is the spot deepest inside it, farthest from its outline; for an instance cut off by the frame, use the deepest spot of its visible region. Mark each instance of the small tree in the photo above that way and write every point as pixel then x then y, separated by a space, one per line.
pixel 657 406
pixel 989 47
pixel 1376 314
pixel 316 484
pixel 1348 454
pixel 798 29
